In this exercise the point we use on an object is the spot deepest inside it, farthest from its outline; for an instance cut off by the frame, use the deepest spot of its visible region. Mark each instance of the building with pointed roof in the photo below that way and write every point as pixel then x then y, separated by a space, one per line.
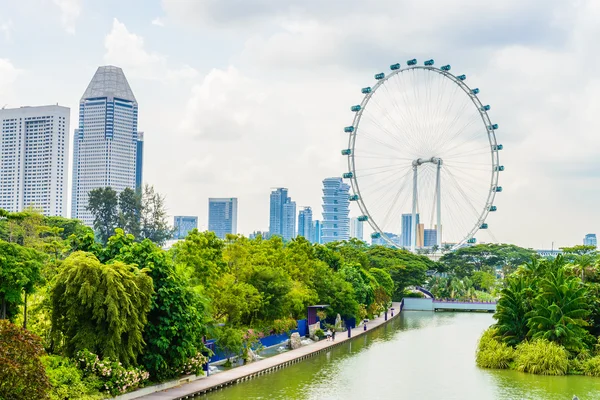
pixel 107 143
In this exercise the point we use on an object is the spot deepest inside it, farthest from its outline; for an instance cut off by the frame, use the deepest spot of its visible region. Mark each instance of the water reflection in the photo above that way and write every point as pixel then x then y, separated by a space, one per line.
pixel 420 355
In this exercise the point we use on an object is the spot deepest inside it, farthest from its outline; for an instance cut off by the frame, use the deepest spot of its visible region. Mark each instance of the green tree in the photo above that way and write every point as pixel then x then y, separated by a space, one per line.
pixel 483 280
pixel 154 225
pixel 202 252
pixel 484 257
pixel 360 281
pixel 103 204
pixel 22 374
pixel 560 311
pixel 130 209
pixel 511 310
pixel 100 307
pixel 20 271
pixel 233 301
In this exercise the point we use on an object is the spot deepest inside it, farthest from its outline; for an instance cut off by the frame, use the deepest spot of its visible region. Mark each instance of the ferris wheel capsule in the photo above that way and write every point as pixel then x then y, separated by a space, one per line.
pixel 379 76
pixel 346 152
pixel 394 67
pixel 412 62
pixel 461 77
pixel 355 108
pixel 428 62
pixel 349 129
pixel 363 218
pixel 366 90
pixel 445 67
pixel 485 108
pixel 475 91
pixel 348 175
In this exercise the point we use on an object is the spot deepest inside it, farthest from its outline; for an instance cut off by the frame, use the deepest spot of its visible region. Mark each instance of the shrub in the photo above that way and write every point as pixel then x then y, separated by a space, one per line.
pixel 115 378
pixel 491 353
pixel 591 366
pixel 319 333
pixel 22 374
pixel 67 380
pixel 194 365
pixel 284 325
pixel 541 357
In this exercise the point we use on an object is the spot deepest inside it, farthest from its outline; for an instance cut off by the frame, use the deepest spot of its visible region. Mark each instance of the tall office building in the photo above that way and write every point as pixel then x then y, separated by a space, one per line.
pixel 305 223
pixel 282 216
pixel 407 229
pixel 105 145
pixel 356 228
pixel 336 207
pixel 430 237
pixel 222 216
pixel 590 240
pixel 183 224
pixel 34 155
pixel 316 231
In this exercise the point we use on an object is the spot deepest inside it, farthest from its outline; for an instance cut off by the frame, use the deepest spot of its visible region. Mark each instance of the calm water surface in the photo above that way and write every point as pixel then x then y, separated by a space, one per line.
pixel 421 355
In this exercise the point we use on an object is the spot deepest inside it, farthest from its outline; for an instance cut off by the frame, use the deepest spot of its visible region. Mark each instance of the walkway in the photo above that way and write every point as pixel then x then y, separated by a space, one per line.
pixel 249 371
pixel 420 304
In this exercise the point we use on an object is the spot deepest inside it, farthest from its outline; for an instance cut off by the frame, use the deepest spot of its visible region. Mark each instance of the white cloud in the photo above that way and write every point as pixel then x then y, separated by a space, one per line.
pixel 8 76
pixel 70 10
pixel 128 51
pixel 158 22
pixel 6 28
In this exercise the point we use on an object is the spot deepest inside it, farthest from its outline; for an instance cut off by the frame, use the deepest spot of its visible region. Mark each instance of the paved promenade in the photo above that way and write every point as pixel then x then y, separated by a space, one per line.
pixel 257 368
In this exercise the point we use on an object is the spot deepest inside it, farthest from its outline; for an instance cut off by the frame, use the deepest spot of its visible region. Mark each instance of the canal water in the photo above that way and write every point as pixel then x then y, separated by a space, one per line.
pixel 420 355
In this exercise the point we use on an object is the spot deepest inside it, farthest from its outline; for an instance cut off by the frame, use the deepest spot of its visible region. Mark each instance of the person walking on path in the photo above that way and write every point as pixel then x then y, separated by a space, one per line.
pixel 328 334
pixel 333 335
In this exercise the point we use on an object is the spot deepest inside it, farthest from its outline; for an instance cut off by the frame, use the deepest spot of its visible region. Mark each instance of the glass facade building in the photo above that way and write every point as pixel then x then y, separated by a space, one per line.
pixel 406 236
pixel 430 237
pixel 336 208
pixel 106 142
pixel 34 159
pixel 356 229
pixel 282 215
pixel 305 223
pixel 184 224
pixel 590 240
pixel 222 216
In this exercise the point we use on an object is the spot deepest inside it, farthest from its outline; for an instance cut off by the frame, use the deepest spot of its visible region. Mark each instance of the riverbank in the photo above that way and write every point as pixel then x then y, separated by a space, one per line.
pixel 236 375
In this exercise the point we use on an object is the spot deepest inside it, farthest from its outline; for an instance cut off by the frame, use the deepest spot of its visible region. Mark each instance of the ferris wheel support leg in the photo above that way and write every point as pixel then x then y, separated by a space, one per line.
pixel 413 221
pixel 438 234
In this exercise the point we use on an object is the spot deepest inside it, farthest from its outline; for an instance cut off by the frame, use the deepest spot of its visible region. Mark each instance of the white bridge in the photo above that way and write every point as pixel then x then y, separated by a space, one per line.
pixel 419 304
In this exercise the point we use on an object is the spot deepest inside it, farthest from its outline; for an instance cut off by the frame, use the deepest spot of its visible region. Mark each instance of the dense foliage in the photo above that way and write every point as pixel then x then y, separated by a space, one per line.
pixel 547 312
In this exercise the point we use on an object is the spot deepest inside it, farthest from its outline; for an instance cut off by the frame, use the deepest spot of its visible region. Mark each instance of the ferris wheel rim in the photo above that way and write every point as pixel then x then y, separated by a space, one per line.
pixel 491 134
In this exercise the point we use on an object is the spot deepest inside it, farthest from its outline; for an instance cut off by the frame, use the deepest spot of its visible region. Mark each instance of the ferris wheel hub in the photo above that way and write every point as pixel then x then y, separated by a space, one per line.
pixel 433 160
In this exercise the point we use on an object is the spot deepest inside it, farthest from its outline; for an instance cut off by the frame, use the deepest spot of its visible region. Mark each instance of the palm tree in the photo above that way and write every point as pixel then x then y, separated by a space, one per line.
pixel 511 310
pixel 560 311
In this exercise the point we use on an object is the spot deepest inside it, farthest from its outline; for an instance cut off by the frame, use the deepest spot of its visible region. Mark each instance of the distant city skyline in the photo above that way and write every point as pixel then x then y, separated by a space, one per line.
pixel 590 240
pixel 183 224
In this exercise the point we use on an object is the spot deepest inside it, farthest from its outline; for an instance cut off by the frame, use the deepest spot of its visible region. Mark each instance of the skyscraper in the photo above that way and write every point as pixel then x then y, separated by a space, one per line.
pixel 183 224
pixel 316 231
pixel 590 240
pixel 407 229
pixel 356 228
pixel 430 237
pixel 222 216
pixel 305 223
pixel 34 156
pixel 336 207
pixel 282 216
pixel 106 143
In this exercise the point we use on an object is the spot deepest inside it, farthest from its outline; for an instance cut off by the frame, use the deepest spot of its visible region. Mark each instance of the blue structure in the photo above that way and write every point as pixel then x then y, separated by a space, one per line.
pixel 590 240
pixel 429 237
pixel 222 216
pixel 305 224
pixel 406 229
pixel 316 231
pixel 183 224
pixel 282 216
pixel 139 161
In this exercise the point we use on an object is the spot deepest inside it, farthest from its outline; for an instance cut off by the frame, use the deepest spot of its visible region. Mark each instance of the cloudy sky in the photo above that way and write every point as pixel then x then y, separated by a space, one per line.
pixel 238 96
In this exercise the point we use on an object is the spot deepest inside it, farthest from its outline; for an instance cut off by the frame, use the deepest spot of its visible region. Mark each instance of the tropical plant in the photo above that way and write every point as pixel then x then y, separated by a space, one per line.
pixel 102 307
pixel 512 309
pixel 591 366
pixel 541 357
pixel 492 353
pixel 22 374
pixel 560 311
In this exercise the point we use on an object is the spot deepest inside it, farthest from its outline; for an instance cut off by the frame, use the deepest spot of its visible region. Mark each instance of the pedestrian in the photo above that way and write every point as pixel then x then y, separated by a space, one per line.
pixel 333 335
pixel 328 335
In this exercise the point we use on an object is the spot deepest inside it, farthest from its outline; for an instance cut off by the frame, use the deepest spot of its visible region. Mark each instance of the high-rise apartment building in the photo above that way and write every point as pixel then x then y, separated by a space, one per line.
pixel 222 216
pixel 34 154
pixel 183 224
pixel 407 229
pixel 105 147
pixel 336 207
pixel 356 228
pixel 282 216
pixel 305 223
pixel 590 240
pixel 316 231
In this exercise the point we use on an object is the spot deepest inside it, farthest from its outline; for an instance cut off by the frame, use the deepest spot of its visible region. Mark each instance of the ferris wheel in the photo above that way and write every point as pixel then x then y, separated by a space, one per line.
pixel 423 158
